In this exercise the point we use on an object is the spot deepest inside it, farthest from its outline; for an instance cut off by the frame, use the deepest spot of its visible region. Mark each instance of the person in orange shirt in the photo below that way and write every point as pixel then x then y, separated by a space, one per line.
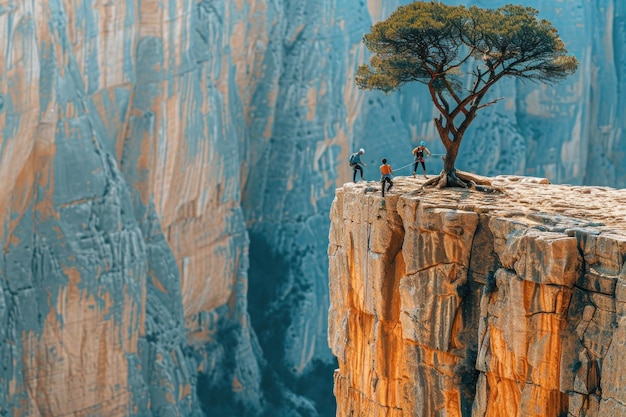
pixel 386 173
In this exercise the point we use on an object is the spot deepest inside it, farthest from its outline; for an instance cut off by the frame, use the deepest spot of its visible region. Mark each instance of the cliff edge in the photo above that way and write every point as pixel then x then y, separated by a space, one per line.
pixel 456 302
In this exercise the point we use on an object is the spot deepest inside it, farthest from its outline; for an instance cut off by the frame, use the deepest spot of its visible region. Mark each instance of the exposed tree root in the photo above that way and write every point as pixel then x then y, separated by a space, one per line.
pixel 461 179
pixel 477 179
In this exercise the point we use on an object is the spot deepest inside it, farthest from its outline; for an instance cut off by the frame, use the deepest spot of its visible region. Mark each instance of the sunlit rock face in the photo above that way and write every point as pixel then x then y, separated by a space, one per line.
pixel 166 173
pixel 458 302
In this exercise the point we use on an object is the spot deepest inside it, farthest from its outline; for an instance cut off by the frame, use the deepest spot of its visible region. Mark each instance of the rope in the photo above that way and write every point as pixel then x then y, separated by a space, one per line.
pixel 411 163
pixel 405 166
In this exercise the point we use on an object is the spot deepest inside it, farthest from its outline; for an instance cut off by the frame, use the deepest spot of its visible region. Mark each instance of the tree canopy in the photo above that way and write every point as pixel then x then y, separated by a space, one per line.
pixel 442 46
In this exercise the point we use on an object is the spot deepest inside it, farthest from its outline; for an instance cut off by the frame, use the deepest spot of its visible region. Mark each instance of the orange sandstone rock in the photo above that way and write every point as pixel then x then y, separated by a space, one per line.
pixel 456 302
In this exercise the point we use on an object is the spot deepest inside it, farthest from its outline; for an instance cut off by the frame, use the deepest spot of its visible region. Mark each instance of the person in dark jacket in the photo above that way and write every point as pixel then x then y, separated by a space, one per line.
pixel 418 154
pixel 355 163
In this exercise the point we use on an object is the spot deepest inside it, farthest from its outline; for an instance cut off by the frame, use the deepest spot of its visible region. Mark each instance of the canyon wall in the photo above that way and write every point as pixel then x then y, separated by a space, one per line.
pixel 166 173
pixel 467 303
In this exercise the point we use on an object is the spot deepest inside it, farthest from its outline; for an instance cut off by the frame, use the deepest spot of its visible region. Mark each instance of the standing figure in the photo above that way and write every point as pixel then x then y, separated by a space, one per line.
pixel 386 173
pixel 355 163
pixel 418 154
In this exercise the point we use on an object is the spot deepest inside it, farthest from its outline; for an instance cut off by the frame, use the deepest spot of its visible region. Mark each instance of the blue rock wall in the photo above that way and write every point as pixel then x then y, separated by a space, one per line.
pixel 571 133
pixel 167 169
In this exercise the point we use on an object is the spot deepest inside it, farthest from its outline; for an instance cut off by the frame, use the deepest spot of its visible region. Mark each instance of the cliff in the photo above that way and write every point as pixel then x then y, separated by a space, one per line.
pixel 456 302
pixel 166 172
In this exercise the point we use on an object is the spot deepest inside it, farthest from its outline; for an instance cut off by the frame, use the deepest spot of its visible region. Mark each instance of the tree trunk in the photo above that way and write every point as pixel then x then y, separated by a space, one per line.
pixel 448 166
pixel 452 146
pixel 450 158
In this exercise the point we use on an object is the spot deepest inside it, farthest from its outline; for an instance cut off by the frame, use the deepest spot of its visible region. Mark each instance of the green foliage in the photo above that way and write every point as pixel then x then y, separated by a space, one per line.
pixel 428 42
pixel 445 46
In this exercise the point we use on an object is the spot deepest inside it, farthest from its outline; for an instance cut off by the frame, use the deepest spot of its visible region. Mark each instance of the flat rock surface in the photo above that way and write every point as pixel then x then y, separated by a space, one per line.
pixel 532 198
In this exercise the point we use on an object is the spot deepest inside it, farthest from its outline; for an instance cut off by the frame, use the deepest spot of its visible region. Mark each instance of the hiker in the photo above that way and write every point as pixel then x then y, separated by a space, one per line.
pixel 355 163
pixel 418 154
pixel 386 173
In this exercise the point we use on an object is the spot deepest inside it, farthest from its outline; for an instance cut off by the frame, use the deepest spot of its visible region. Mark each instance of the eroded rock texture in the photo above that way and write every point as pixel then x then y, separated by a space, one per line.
pixel 147 148
pixel 166 171
pixel 465 303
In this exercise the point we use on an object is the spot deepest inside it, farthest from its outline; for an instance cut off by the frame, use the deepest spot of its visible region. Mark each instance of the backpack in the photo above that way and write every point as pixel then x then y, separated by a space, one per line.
pixel 351 160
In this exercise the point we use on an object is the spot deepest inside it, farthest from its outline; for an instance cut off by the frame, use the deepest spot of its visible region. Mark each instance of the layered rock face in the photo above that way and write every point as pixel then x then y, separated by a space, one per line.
pixel 146 147
pixel 459 303
pixel 162 160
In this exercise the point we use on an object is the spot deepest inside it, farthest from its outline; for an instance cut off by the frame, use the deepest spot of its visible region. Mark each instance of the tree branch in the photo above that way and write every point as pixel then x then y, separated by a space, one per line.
pixel 477 94
pixel 450 90
pixel 443 101
pixel 489 103
pixel 443 134
pixel 433 92
pixel 464 60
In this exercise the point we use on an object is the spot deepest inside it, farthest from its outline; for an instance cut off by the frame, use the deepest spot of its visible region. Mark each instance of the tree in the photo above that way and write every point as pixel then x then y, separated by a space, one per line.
pixel 445 46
